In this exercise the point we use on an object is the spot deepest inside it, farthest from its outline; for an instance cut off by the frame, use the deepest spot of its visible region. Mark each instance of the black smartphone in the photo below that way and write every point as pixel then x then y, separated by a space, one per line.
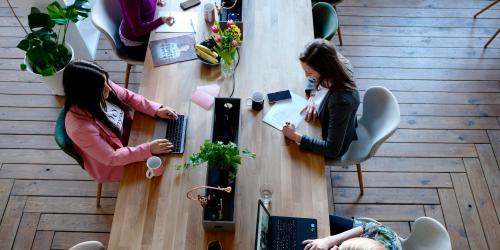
pixel 189 4
pixel 279 96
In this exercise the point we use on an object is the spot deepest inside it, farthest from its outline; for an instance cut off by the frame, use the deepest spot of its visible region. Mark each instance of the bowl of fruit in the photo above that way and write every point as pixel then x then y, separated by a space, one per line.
pixel 206 54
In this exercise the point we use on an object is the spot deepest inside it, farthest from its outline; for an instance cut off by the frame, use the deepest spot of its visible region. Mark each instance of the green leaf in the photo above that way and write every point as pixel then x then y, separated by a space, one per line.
pixel 40 20
pixel 218 154
pixel 56 11
pixel 23 66
pixel 24 44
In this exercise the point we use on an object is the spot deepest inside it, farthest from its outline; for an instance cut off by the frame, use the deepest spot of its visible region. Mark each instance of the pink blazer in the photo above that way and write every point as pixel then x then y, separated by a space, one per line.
pixel 103 154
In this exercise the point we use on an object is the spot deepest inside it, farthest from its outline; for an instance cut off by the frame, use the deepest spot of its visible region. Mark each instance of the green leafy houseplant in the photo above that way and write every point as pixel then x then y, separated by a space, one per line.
pixel 226 157
pixel 45 51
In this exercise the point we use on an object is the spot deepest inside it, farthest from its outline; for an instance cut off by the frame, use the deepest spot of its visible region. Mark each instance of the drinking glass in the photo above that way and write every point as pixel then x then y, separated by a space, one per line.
pixel 266 192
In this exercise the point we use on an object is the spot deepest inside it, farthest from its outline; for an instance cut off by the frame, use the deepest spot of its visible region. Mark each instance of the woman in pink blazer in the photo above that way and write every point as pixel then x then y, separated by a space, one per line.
pixel 98 120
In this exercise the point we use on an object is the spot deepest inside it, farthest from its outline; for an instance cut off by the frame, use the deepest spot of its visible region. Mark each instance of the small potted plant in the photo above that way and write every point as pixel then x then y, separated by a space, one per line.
pixel 225 157
pixel 226 42
pixel 223 161
pixel 47 54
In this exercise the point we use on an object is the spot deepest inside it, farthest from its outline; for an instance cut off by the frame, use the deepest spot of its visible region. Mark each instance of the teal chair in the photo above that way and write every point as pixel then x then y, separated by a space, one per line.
pixel 65 143
pixel 325 19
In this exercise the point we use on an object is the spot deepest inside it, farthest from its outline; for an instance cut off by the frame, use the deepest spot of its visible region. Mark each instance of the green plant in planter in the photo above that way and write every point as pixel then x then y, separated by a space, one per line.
pixel 45 52
pixel 226 157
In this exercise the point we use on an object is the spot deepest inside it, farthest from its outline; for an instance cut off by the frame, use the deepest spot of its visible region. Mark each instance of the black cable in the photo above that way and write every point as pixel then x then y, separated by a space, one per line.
pixel 234 73
pixel 17 18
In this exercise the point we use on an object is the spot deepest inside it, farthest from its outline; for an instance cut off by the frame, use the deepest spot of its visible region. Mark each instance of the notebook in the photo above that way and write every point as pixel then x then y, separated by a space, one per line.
pixel 185 22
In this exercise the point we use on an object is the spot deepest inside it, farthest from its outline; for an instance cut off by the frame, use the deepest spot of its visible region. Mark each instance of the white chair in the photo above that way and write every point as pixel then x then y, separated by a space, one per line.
pixel 426 233
pixel 379 121
pixel 88 245
pixel 106 17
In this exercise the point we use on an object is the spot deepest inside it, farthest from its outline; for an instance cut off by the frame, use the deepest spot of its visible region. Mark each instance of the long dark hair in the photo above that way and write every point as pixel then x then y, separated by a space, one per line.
pixel 83 83
pixel 323 58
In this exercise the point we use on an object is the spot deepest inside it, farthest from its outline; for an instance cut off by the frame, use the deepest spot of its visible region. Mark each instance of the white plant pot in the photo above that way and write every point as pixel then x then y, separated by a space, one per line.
pixel 54 82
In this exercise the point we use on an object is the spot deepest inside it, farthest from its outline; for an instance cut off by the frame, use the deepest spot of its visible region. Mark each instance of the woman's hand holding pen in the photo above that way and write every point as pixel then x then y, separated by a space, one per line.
pixel 290 132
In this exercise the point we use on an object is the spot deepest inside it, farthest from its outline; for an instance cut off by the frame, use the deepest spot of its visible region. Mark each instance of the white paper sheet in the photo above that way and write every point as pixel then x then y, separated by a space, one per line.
pixel 286 111
pixel 185 22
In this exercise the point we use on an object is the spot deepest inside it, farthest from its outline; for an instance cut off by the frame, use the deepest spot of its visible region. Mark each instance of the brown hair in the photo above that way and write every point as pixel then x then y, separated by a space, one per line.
pixel 83 83
pixel 323 58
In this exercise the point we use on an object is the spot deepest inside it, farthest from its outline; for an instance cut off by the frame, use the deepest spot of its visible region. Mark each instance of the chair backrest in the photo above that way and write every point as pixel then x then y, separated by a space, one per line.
pixel 427 233
pixel 325 20
pixel 88 245
pixel 380 116
pixel 106 17
pixel 63 140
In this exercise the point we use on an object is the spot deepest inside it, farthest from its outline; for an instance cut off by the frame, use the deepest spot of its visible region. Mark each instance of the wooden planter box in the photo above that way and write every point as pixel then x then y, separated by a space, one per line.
pixel 226 125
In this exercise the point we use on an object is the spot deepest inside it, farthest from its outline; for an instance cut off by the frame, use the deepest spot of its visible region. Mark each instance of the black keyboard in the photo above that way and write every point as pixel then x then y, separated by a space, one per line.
pixel 286 234
pixel 176 133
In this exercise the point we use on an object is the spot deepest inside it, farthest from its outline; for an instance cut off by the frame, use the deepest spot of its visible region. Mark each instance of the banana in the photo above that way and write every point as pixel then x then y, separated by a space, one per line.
pixel 206 50
pixel 206 56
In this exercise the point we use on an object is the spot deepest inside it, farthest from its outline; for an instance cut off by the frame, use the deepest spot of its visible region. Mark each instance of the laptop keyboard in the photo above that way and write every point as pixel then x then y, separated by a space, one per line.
pixel 286 234
pixel 176 133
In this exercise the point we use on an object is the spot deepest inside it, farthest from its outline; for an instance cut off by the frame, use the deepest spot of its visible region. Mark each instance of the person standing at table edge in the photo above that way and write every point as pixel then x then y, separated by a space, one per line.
pixel 98 121
pixel 138 23
pixel 326 67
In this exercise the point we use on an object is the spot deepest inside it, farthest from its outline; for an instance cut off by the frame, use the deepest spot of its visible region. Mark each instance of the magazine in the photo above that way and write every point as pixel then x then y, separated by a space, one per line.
pixel 173 50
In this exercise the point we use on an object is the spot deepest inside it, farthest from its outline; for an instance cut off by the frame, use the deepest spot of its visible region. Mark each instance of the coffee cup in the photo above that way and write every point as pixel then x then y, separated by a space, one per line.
pixel 154 167
pixel 256 101
pixel 214 245
pixel 209 13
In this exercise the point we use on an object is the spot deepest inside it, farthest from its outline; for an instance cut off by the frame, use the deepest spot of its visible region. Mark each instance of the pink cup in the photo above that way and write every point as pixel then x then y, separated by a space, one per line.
pixel 155 167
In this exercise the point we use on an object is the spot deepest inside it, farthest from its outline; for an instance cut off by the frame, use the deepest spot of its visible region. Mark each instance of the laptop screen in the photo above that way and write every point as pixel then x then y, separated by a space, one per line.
pixel 263 217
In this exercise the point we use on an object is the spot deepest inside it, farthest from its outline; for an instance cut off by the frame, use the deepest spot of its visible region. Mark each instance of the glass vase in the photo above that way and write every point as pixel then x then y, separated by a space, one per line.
pixel 228 68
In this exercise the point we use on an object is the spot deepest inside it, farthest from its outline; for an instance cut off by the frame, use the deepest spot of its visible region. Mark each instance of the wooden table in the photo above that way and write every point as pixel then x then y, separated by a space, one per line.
pixel 155 214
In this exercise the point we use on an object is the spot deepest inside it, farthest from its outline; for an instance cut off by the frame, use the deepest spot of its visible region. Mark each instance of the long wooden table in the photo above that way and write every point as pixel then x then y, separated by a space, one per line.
pixel 155 214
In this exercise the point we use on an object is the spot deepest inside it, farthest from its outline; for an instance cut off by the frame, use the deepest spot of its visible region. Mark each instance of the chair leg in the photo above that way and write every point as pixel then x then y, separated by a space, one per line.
pixel 127 74
pixel 491 39
pixel 485 8
pixel 98 195
pixel 360 177
pixel 338 30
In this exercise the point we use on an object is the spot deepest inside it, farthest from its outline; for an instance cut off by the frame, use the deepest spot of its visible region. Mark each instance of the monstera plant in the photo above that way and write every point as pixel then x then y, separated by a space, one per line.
pixel 47 52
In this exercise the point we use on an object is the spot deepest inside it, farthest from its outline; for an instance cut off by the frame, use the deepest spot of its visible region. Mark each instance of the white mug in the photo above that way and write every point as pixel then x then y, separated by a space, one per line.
pixel 154 167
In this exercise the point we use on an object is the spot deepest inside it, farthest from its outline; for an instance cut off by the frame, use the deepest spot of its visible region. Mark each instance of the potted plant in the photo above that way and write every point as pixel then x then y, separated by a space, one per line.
pixel 226 43
pixel 223 161
pixel 46 52
pixel 225 157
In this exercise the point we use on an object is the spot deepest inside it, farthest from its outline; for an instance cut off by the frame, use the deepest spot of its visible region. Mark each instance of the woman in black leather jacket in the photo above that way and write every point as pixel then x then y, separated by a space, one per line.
pixel 326 67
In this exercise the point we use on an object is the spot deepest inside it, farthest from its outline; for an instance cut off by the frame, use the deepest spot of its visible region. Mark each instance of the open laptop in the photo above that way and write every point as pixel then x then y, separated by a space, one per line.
pixel 172 130
pixel 277 232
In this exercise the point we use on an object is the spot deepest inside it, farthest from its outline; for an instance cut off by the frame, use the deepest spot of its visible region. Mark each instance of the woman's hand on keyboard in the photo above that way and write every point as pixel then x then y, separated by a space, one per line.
pixel 161 146
pixel 166 113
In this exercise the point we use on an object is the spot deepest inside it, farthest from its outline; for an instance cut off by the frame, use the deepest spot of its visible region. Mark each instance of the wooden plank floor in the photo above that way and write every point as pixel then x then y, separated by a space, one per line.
pixel 442 162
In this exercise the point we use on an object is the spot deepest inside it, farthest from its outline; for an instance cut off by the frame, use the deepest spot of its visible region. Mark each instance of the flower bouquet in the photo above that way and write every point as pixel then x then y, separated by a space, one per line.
pixel 226 43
